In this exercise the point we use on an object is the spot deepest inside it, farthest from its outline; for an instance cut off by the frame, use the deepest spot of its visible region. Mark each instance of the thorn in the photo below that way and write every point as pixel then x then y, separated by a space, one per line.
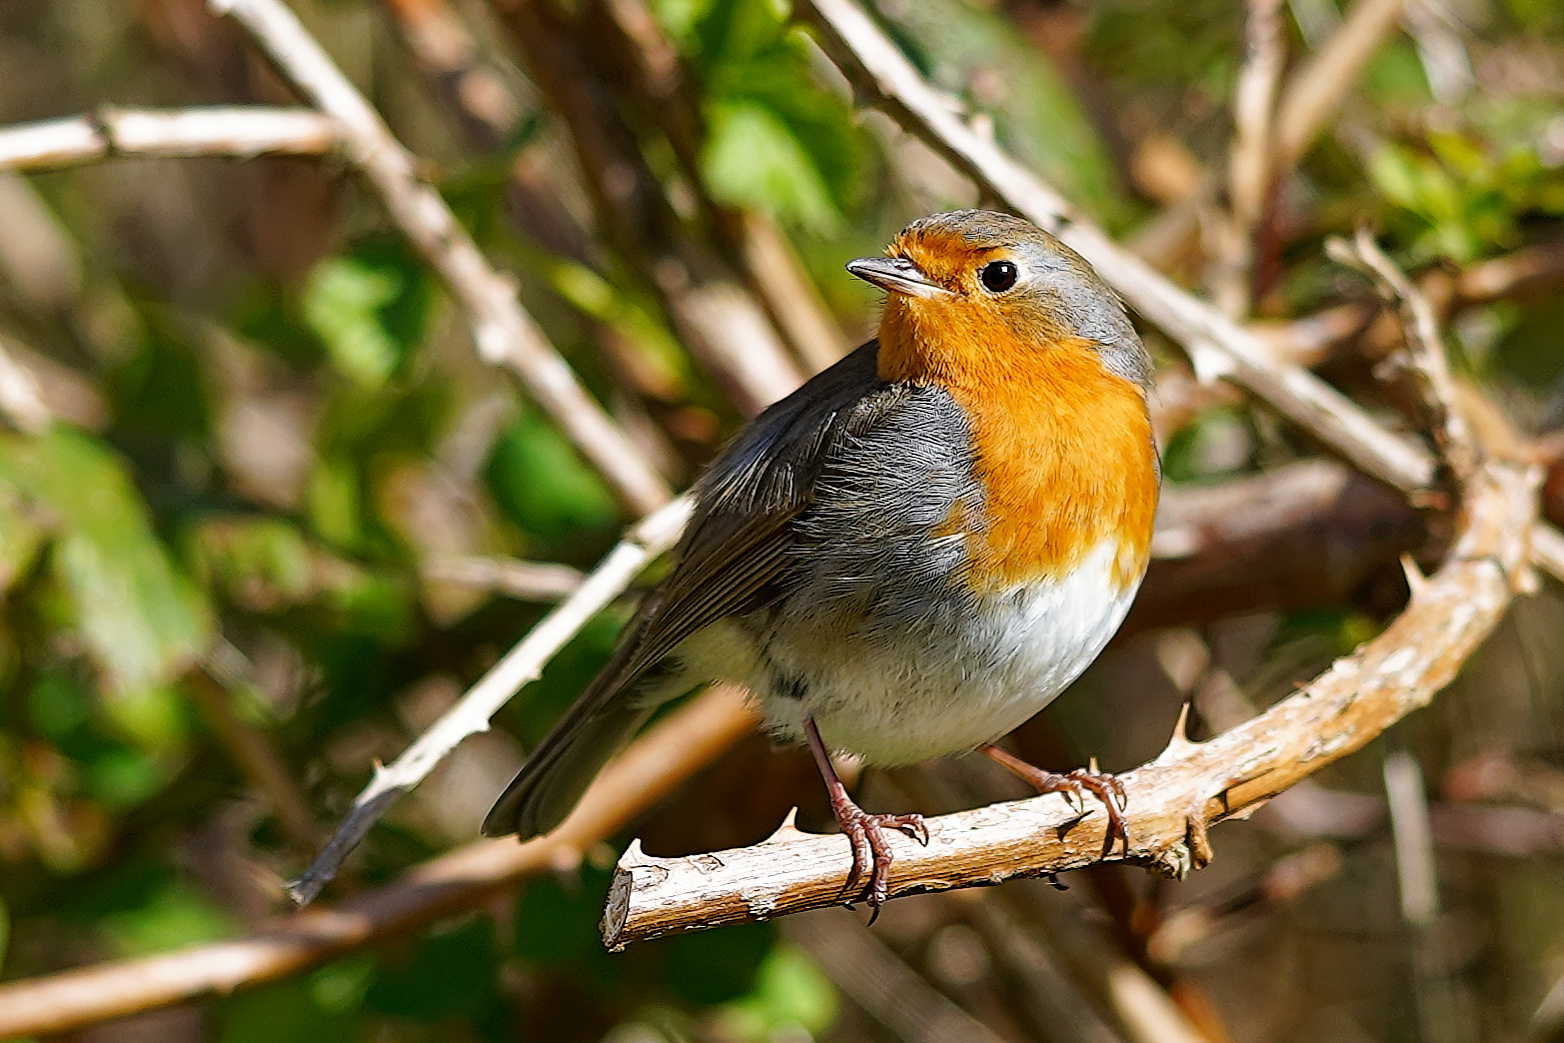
pixel 1416 581
pixel 1179 742
pixel 1092 766
pixel 787 830
pixel 633 856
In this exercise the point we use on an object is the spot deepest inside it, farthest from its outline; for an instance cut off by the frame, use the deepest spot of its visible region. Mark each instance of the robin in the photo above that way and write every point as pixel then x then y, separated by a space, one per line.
pixel 915 551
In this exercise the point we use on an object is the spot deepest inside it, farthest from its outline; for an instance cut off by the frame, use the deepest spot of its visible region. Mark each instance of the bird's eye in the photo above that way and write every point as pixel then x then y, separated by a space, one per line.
pixel 999 276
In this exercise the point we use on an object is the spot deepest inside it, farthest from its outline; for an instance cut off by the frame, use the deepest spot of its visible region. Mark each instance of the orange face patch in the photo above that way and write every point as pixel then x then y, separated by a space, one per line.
pixel 1064 446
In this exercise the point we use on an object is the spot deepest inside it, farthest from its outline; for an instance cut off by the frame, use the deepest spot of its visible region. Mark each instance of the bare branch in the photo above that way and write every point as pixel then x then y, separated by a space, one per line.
pixel 1313 95
pixel 471 713
pixel 1249 166
pixel 108 132
pixel 1424 348
pixel 504 333
pixel 668 754
pixel 1172 801
pixel 524 580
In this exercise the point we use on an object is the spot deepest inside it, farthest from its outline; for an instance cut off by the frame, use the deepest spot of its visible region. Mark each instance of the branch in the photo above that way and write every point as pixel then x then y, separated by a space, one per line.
pixel 1172 801
pixel 471 713
pixel 1249 165
pixel 1426 356
pixel 504 333
pixel 107 132
pixel 1314 94
pixel 657 763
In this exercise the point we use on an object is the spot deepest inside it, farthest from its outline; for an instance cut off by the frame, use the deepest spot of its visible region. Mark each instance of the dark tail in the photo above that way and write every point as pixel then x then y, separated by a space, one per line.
pixel 559 771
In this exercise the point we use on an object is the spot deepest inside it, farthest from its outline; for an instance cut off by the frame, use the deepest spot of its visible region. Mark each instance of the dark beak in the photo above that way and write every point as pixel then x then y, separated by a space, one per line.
pixel 897 275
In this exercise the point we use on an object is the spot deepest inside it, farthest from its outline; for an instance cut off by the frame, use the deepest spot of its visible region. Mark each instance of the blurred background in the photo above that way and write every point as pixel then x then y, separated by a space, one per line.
pixel 276 515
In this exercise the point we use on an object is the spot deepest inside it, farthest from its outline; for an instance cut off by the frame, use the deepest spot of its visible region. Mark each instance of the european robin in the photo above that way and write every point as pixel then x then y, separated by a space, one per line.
pixel 915 551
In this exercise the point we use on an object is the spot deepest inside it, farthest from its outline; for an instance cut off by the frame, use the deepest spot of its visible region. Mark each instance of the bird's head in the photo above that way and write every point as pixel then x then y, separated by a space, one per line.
pixel 975 294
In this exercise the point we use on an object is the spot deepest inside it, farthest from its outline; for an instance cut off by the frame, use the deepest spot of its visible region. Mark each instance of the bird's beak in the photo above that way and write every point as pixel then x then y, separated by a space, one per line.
pixel 898 275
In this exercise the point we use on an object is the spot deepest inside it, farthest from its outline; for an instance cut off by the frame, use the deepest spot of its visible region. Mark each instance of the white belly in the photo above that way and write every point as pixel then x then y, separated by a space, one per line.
pixel 927 687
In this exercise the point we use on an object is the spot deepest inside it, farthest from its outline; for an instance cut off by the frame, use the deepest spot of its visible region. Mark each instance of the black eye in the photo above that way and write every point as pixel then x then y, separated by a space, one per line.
pixel 999 276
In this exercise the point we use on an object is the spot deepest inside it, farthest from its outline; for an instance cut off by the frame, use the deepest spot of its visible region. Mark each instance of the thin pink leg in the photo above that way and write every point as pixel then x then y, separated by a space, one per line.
pixel 871 849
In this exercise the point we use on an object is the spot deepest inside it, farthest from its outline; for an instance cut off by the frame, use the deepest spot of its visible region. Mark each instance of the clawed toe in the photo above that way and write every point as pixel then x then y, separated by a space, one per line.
pixel 869 878
pixel 1075 785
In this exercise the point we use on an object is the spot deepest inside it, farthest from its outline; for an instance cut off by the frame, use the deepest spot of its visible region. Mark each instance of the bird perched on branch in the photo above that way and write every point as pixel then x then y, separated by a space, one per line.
pixel 915 551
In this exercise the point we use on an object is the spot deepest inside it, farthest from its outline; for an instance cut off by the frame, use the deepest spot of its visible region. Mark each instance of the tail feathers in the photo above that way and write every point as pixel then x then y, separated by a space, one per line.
pixel 553 780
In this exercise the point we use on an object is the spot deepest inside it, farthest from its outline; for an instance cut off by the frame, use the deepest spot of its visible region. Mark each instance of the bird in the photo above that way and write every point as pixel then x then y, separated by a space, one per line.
pixel 915 551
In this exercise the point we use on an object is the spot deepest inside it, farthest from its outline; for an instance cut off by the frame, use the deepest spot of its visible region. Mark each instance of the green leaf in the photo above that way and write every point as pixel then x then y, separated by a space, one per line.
pixel 175 915
pixel 753 159
pixel 539 481
pixel 791 993
pixel 341 304
pixel 141 621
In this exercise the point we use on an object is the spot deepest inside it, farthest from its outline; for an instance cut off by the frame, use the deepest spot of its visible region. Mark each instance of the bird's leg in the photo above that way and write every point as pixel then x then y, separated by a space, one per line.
pixel 871 849
pixel 1106 787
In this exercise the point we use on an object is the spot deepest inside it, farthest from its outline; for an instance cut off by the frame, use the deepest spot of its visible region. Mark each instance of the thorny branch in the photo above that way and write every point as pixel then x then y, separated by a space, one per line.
pixel 471 713
pixel 1172 801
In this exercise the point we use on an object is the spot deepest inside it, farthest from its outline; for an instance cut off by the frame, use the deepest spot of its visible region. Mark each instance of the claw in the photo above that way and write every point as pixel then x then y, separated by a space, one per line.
pixel 1075 785
pixel 872 855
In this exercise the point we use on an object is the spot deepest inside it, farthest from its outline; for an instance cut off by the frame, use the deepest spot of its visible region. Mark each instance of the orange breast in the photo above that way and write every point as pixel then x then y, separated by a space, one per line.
pixel 1063 445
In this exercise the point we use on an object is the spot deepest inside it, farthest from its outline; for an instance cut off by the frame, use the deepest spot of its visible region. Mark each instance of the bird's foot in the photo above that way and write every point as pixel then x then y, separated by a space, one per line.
pixel 1075 785
pixel 1105 787
pixel 869 879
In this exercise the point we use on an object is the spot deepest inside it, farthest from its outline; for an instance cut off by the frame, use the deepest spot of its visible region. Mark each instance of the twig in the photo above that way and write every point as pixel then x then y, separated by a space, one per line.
pixel 107 132
pixel 1441 1015
pixel 21 399
pixel 1317 90
pixel 668 754
pixel 471 713
pixel 1414 839
pixel 504 333
pixel 524 580
pixel 1424 347
pixel 1172 801
pixel 1249 167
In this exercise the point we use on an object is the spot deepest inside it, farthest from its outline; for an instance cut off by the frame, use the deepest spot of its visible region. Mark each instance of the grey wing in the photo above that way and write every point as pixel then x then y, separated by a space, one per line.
pixel 732 559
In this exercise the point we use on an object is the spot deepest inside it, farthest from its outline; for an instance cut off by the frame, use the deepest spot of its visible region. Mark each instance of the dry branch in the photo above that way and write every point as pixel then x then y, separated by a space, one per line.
pixel 1249 165
pixel 1172 801
pixel 108 132
pixel 1425 351
pixel 504 333
pixel 1314 94
pixel 658 762
pixel 471 713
